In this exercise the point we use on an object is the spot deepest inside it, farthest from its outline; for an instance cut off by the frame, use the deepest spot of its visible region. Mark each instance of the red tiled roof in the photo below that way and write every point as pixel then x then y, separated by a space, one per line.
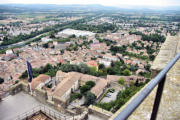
pixel 38 80
pixel 92 64
pixel 62 61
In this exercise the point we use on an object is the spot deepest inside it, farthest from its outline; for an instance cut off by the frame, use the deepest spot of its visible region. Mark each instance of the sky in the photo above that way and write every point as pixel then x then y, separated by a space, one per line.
pixel 161 3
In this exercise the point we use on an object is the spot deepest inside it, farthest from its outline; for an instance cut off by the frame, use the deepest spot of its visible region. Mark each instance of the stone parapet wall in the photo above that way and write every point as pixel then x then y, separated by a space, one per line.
pixel 169 107
pixel 99 112
pixel 60 105
pixel 25 87
pixel 166 54
pixel 170 100
pixel 21 86
pixel 40 95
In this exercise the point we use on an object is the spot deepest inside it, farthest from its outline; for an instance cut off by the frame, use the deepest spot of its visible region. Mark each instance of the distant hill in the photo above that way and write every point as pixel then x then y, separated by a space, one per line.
pixel 47 7
pixel 18 8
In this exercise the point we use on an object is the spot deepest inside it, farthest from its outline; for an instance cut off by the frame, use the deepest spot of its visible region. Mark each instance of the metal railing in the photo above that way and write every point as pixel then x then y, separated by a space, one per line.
pixel 158 80
pixel 43 109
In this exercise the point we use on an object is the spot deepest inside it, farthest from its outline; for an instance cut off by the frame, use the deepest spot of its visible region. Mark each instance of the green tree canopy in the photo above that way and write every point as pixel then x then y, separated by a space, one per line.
pixel 84 88
pixel 121 81
pixel 90 83
pixel 90 98
pixel 126 72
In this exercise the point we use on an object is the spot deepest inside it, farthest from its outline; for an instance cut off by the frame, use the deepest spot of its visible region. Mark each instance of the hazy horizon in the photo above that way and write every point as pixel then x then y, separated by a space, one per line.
pixel 115 3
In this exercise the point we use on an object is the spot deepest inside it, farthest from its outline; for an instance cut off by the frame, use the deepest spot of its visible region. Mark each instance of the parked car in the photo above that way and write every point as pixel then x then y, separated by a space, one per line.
pixel 108 95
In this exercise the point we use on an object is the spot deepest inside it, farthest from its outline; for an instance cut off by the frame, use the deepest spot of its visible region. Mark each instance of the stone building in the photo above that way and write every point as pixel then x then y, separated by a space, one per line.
pixel 40 81
pixel 66 86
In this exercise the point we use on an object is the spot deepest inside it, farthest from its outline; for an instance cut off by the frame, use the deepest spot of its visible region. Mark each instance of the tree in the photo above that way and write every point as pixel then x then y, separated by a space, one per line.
pixel 126 72
pixel 147 67
pixel 75 47
pixel 90 83
pixel 151 57
pixel 145 74
pixel 84 38
pixel 93 70
pixel 111 71
pixel 89 98
pixel 24 75
pixel 51 73
pixel 84 88
pixel 45 45
pixel 1 80
pixel 136 83
pixel 47 68
pixel 75 96
pixel 101 73
pixel 17 81
pixel 51 34
pixel 73 36
pixel 121 81
pixel 147 80
pixel 84 68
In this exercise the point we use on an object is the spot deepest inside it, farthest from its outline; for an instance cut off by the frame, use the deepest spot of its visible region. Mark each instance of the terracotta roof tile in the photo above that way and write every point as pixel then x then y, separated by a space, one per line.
pixel 38 80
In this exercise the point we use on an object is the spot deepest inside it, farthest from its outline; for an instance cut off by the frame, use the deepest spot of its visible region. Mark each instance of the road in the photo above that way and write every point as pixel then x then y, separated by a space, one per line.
pixel 21 43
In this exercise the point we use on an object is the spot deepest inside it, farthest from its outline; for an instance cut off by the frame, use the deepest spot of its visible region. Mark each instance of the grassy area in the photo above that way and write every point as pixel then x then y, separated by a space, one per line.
pixel 62 40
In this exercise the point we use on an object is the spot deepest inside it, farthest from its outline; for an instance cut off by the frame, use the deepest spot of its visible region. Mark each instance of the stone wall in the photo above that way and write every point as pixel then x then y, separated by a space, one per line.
pixel 99 112
pixel 83 116
pixel 169 107
pixel 40 95
pixel 166 54
pixel 21 86
pixel 25 87
pixel 59 104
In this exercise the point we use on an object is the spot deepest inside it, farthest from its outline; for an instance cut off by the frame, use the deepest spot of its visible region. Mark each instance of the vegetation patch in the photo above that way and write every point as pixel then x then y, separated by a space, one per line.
pixel 122 98
pixel 75 96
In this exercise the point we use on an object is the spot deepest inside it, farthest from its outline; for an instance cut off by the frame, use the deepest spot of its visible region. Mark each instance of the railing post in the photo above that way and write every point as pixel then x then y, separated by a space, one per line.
pixel 158 98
